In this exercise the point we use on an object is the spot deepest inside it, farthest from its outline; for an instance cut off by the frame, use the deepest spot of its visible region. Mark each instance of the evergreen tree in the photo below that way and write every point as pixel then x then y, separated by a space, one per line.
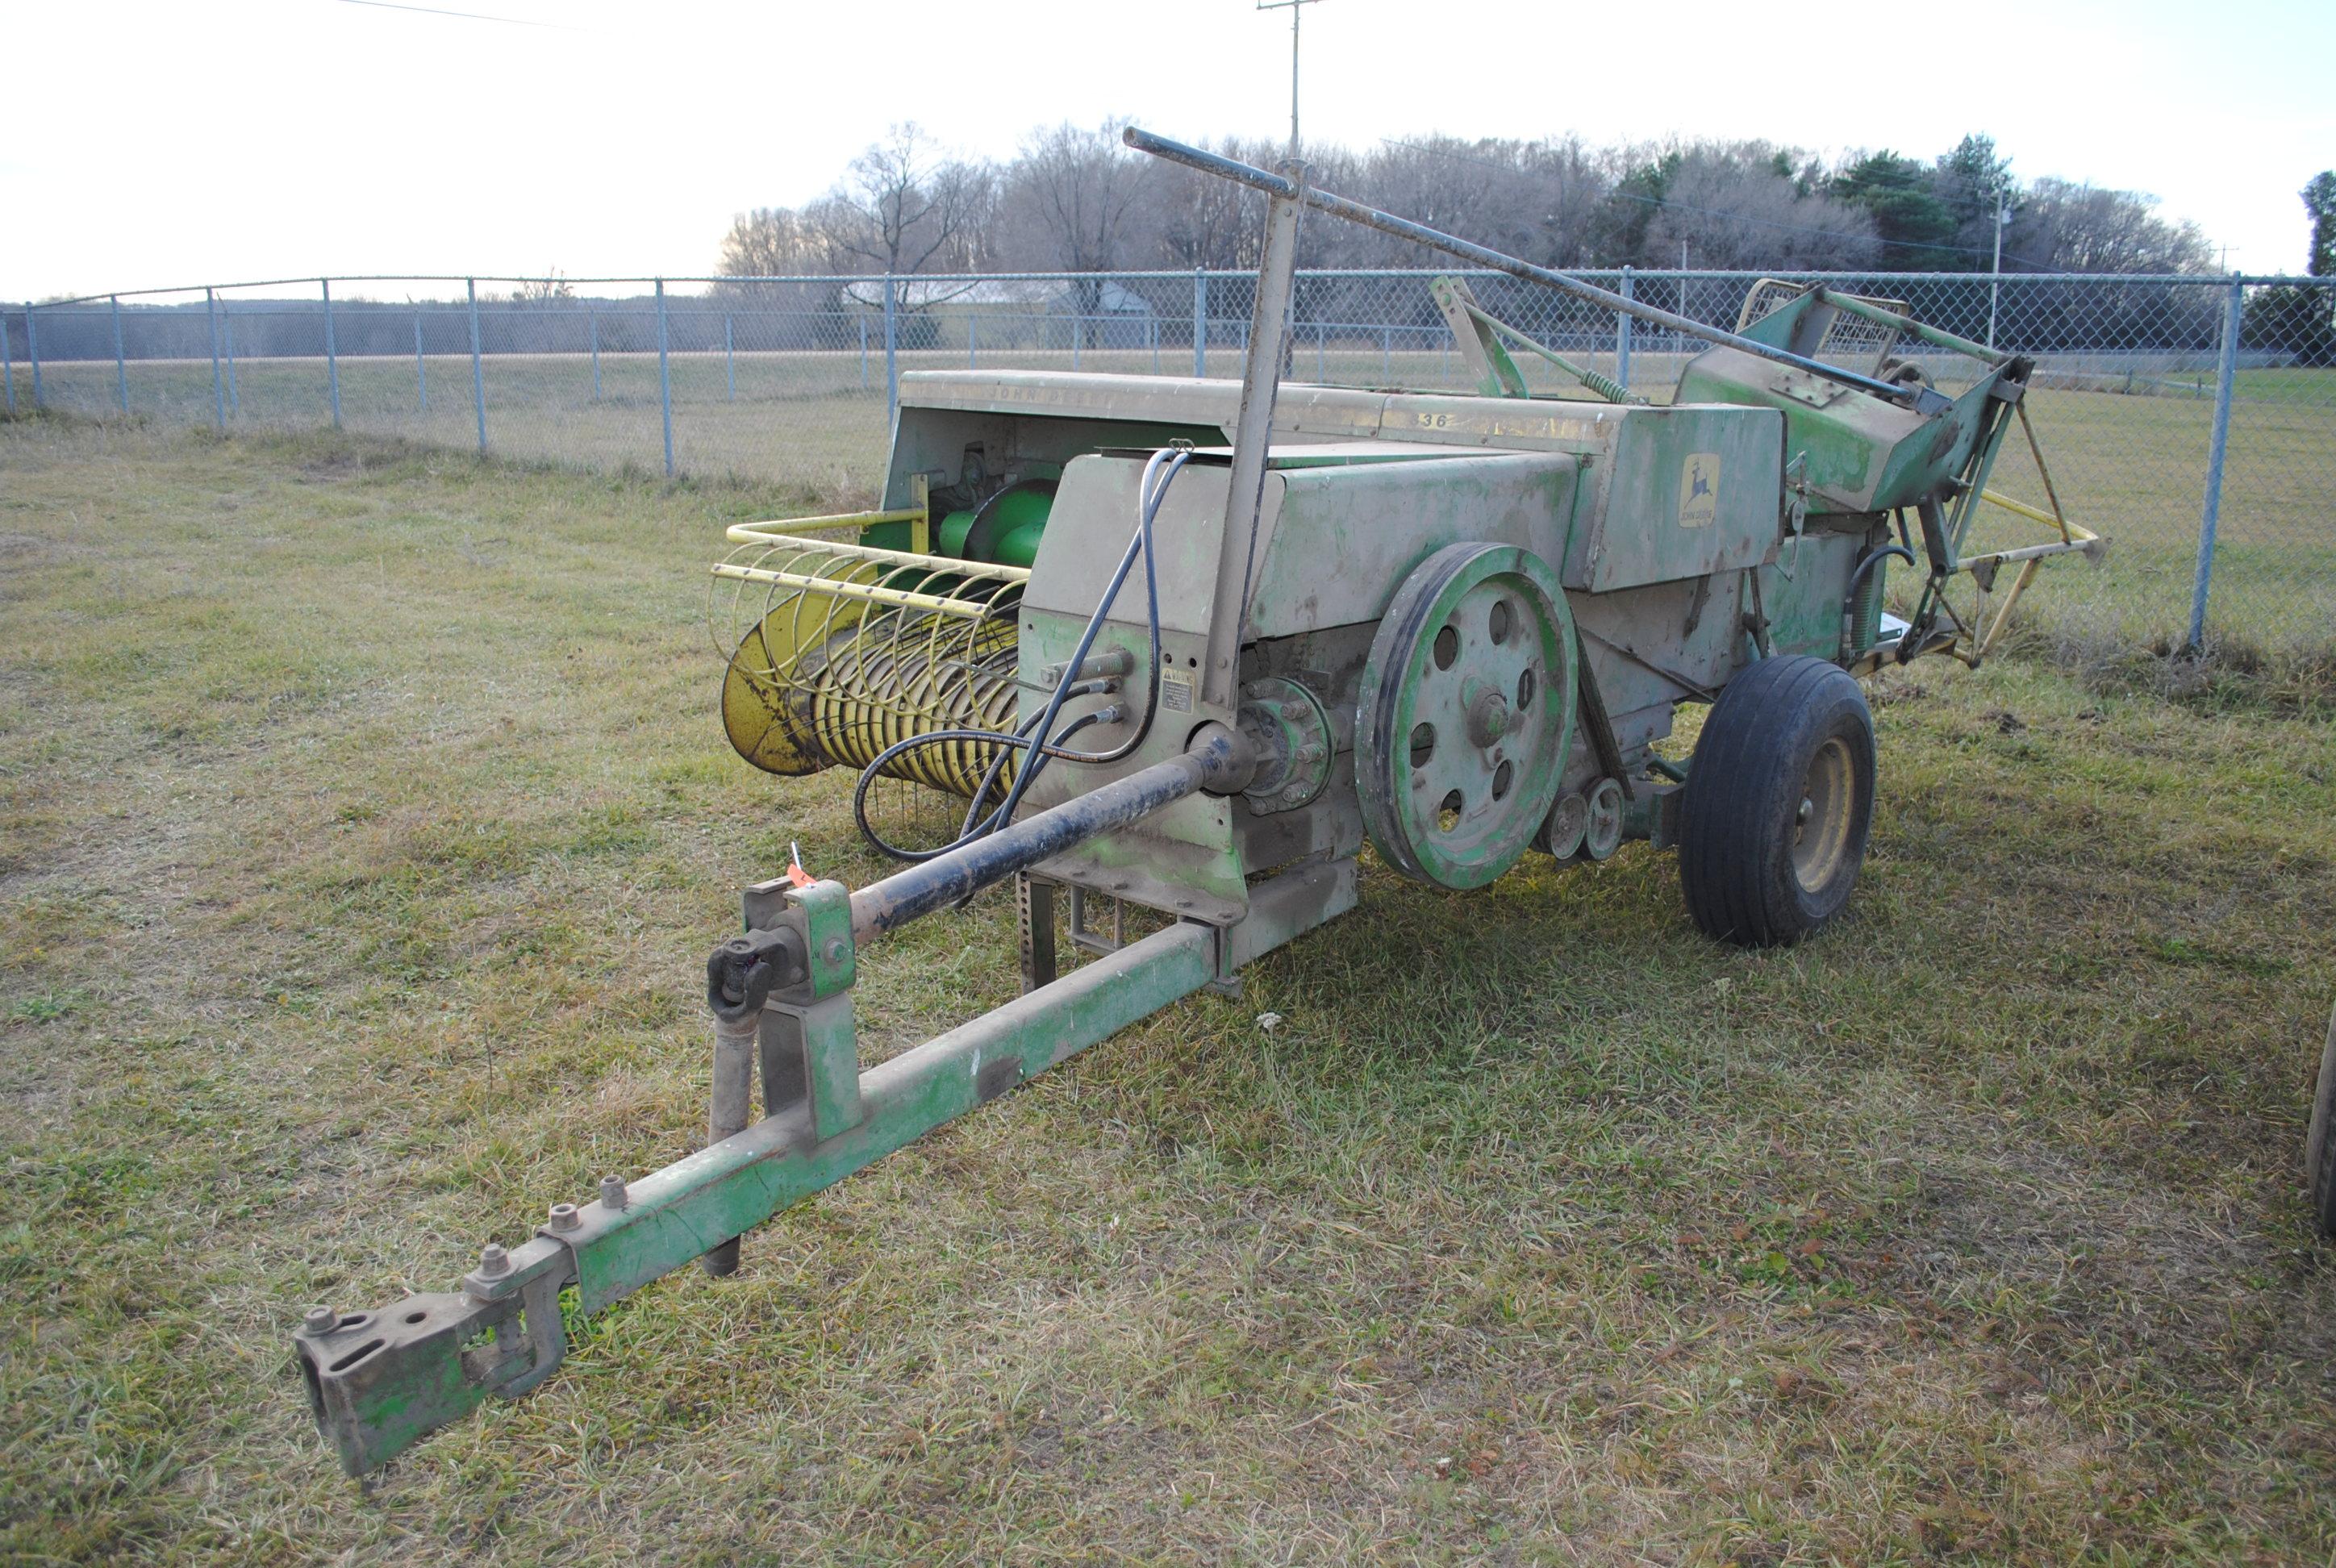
pixel 2320 202
pixel 2295 320
pixel 1907 212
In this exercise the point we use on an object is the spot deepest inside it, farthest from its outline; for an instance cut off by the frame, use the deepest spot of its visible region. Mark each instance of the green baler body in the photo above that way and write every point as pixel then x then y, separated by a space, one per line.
pixel 1859 453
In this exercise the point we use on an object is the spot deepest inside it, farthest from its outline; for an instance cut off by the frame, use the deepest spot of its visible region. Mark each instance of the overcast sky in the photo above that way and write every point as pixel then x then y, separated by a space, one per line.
pixel 168 143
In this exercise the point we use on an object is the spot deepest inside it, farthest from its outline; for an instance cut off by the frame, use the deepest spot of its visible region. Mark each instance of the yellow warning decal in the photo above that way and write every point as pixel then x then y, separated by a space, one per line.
pixel 1175 691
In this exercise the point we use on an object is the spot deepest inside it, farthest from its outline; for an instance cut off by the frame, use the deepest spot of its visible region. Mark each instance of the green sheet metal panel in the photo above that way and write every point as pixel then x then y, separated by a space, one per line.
pixel 1689 491
pixel 1863 454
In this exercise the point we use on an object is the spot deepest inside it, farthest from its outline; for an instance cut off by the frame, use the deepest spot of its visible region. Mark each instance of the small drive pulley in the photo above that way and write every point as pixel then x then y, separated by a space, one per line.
pixel 1466 713
pixel 1289 732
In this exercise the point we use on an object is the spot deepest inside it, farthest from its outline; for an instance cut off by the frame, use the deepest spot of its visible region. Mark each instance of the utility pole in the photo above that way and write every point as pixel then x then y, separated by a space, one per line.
pixel 1293 7
pixel 1995 282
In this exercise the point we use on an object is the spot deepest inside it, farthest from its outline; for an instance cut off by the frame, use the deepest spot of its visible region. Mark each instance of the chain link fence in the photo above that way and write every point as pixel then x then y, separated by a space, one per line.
pixel 2192 420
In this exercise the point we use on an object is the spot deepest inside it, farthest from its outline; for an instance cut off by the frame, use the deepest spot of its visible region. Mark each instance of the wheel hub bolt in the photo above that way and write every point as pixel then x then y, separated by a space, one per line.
pixel 1488 718
pixel 493 1260
pixel 563 1216
pixel 612 1193
pixel 319 1321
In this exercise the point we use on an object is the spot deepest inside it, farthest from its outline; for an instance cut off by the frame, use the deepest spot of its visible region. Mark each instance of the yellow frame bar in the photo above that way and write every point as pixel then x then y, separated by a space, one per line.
pixel 758 533
pixel 919 517
pixel 841 519
pixel 867 592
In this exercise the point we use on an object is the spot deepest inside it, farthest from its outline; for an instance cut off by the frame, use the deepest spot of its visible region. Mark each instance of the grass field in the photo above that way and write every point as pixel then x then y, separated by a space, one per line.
pixel 2131 467
pixel 363 824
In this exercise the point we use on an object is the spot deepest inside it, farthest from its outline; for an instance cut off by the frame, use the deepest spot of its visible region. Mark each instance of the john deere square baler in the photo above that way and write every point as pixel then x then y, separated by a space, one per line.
pixel 1185 648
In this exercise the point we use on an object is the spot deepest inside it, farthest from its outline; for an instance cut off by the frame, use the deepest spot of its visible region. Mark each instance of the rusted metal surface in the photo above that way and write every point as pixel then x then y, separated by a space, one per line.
pixel 1269 348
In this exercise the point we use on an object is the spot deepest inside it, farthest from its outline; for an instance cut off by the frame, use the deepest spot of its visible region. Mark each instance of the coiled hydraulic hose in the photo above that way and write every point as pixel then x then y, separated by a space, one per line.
pixel 1037 740
pixel 1853 609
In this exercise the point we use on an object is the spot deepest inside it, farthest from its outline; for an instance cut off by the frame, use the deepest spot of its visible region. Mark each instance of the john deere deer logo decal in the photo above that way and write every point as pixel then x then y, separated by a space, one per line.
pixel 1699 490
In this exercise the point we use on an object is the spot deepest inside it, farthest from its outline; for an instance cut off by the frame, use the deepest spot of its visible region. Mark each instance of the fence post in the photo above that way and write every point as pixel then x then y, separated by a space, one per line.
pixel 1079 333
pixel 593 323
pixel 2225 373
pixel 1152 330
pixel 120 371
pixel 7 365
pixel 227 338
pixel 32 350
pixel 891 353
pixel 729 357
pixel 421 374
pixel 1622 338
pixel 1387 356
pixel 1321 373
pixel 664 380
pixel 863 352
pixel 478 370
pixel 332 360
pixel 973 332
pixel 218 390
pixel 1200 322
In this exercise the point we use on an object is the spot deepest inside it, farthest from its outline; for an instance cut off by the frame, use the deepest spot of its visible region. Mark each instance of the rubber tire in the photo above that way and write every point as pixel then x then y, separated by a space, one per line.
pixel 2320 1148
pixel 1743 796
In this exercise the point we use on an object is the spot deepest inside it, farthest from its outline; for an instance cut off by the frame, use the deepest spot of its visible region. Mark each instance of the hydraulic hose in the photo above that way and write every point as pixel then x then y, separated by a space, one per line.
pixel 1853 608
pixel 1868 565
pixel 1037 739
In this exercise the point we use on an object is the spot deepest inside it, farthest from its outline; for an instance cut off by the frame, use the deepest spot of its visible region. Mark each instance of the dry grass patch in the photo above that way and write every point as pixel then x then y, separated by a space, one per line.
pixel 363 822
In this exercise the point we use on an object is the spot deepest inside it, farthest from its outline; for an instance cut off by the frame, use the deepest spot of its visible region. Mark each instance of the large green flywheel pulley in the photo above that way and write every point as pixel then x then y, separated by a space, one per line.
pixel 1466 713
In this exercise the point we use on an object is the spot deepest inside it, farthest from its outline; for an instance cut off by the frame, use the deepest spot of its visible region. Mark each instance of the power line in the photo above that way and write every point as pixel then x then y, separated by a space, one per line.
pixel 466 15
pixel 1715 212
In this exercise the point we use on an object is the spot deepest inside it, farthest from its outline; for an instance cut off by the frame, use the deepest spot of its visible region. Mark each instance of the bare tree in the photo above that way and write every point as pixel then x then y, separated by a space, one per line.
pixel 1076 200
pixel 775 242
pixel 2066 226
pixel 551 287
pixel 903 206
pixel 1738 205
pixel 1444 182
pixel 1080 187
pixel 1070 197
pixel 1202 221
pixel 769 242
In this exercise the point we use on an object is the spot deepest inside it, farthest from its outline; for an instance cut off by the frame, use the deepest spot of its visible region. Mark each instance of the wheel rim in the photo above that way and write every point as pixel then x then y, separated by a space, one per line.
pixel 1467 712
pixel 1822 816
